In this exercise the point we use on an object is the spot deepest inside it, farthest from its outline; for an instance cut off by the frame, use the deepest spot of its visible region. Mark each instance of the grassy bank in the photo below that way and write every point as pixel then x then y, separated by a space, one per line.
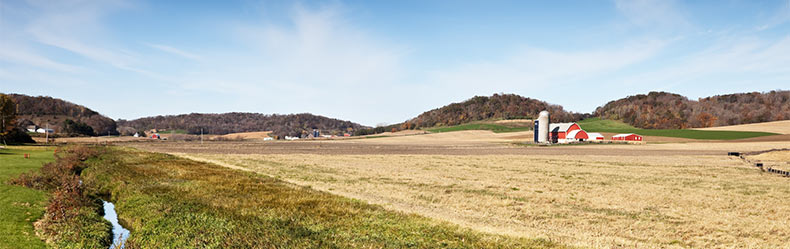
pixel 598 125
pixel 72 218
pixel 173 202
pixel 20 206
pixel 497 128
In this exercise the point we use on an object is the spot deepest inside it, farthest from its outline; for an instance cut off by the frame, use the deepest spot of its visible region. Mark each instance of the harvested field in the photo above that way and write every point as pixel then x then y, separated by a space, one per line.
pixel 362 148
pixel 598 201
pixel 780 127
pixel 525 122
pixel 89 140
pixel 244 135
pixel 775 159
pixel 602 195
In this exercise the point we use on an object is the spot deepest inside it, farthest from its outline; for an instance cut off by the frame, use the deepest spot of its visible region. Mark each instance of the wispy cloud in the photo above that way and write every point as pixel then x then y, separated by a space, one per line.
pixel 316 62
pixel 320 47
pixel 726 58
pixel 25 56
pixel 77 26
pixel 531 69
pixel 653 14
pixel 175 51
pixel 782 16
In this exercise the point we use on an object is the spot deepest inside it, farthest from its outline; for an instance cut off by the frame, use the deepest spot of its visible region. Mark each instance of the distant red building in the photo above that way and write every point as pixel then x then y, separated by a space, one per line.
pixel 627 137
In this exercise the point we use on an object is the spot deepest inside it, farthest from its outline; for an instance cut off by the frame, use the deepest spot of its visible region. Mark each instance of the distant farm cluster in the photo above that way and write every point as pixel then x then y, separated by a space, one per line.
pixel 548 133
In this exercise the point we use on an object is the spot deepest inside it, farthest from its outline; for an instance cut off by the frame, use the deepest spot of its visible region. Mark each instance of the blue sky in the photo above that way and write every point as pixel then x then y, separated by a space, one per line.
pixel 379 62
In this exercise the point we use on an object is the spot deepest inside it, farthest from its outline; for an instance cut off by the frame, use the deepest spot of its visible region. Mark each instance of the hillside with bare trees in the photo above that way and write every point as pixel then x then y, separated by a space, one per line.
pixel 280 125
pixel 662 110
pixel 497 106
pixel 45 111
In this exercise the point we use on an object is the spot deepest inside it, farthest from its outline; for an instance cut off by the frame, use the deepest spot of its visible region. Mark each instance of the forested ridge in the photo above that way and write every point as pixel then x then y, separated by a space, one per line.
pixel 43 110
pixel 497 106
pixel 662 110
pixel 655 110
pixel 280 125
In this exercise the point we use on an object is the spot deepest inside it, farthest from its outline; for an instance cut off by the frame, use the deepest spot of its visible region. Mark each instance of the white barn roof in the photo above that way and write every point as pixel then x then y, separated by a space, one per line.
pixel 623 135
pixel 560 127
pixel 594 134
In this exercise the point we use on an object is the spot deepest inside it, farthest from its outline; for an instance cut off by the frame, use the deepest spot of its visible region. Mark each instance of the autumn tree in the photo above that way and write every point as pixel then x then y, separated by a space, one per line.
pixel 7 115
pixel 9 133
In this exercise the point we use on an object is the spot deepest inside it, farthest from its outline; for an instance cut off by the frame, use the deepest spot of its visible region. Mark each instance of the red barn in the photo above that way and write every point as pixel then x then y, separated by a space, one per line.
pixel 627 137
pixel 558 131
pixel 576 136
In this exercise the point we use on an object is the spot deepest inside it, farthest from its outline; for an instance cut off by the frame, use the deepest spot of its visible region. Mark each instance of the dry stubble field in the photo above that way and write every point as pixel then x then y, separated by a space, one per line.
pixel 661 195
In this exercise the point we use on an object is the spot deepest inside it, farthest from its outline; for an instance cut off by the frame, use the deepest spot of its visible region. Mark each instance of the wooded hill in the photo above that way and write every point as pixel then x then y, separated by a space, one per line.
pixel 498 106
pixel 662 110
pixel 280 125
pixel 43 110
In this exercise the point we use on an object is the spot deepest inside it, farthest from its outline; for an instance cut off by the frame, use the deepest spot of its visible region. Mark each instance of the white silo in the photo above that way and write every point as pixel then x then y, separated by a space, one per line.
pixel 543 127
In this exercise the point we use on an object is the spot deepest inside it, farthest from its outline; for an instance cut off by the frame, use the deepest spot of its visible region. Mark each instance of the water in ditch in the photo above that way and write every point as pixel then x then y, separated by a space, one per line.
pixel 119 233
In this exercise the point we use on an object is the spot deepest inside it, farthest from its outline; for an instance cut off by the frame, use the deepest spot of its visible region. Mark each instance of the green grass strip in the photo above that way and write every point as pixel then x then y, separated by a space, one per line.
pixel 21 206
pixel 613 126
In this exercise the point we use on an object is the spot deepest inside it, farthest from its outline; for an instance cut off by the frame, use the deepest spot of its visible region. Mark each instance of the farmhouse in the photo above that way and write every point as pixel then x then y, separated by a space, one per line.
pixel 594 136
pixel 627 137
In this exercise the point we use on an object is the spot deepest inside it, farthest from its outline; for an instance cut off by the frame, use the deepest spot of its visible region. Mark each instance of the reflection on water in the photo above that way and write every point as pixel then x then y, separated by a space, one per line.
pixel 119 233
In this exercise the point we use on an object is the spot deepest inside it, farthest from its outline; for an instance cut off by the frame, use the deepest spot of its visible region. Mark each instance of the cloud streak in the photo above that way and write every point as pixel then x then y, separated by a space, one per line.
pixel 653 14
pixel 176 51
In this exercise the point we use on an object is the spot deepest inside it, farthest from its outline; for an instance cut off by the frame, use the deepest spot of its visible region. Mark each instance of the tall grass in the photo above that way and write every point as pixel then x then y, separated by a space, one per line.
pixel 178 203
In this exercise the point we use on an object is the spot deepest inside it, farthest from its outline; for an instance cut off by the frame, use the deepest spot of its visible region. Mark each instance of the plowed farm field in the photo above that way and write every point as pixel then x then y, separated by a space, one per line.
pixel 668 195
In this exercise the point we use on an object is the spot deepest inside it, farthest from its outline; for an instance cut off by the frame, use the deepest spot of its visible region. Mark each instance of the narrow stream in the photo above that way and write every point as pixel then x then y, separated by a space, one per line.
pixel 119 233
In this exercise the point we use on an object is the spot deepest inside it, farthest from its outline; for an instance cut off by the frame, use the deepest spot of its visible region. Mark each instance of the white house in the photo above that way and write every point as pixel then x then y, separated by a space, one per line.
pixel 42 130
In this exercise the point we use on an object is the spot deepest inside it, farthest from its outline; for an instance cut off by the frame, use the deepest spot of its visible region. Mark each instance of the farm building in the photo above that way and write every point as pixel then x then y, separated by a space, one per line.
pixel 594 136
pixel 627 137
pixel 43 130
pixel 576 136
pixel 558 131
pixel 546 132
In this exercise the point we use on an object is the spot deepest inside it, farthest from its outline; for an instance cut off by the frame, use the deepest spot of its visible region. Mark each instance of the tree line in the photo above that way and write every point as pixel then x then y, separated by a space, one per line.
pixel 281 125
pixel 43 110
pixel 663 110
pixel 497 106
